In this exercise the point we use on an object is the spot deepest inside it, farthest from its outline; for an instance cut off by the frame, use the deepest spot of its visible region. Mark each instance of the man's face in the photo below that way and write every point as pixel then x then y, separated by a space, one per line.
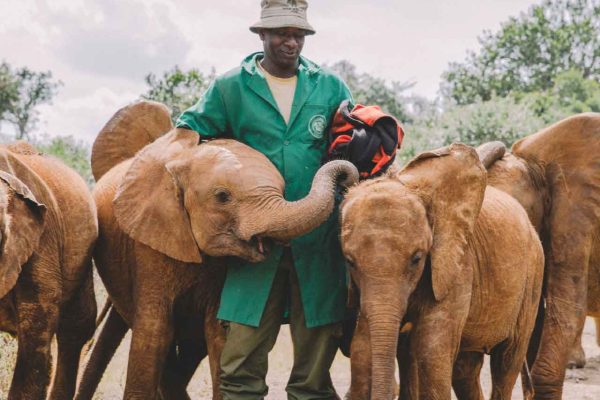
pixel 283 46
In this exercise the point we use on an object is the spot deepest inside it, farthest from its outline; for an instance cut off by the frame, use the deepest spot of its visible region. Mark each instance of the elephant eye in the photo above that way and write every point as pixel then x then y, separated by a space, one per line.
pixel 223 196
pixel 416 258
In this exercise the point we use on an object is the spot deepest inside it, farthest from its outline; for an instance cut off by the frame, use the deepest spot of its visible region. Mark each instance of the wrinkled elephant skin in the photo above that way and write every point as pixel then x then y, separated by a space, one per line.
pixel 48 228
pixel 555 175
pixel 457 265
pixel 165 212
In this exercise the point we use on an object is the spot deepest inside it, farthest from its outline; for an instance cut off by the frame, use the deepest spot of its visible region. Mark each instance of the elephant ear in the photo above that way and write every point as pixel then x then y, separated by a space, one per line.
pixel 127 132
pixel 568 152
pixel 148 204
pixel 22 226
pixel 451 183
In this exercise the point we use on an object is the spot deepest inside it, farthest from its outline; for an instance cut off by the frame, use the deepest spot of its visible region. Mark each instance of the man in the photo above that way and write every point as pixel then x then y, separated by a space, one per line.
pixel 280 104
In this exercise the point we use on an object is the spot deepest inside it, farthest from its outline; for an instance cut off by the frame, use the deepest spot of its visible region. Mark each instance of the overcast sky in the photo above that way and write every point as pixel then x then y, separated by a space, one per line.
pixel 102 49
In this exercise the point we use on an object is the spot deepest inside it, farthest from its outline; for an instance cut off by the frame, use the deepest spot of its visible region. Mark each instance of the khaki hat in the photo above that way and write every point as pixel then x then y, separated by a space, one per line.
pixel 283 14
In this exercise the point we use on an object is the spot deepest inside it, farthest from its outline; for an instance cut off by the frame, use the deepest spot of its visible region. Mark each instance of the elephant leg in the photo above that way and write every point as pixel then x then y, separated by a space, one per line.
pixel 37 316
pixel 465 376
pixel 404 364
pixel 506 361
pixel 433 363
pixel 172 386
pixel 75 327
pixel 108 341
pixel 215 341
pixel 597 322
pixel 577 354
pixel 185 355
pixel 566 299
pixel 191 353
pixel 360 361
pixel 150 344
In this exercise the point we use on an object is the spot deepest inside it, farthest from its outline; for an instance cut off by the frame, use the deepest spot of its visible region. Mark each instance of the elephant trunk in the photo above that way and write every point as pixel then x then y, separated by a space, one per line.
pixel 384 320
pixel 283 220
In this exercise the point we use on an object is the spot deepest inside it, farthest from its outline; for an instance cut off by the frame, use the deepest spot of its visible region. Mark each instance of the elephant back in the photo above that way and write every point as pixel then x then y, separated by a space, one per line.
pixel 128 131
pixel 21 147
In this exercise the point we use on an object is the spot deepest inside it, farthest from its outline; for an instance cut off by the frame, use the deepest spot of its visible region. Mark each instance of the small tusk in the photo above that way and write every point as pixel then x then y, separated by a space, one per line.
pixel 260 246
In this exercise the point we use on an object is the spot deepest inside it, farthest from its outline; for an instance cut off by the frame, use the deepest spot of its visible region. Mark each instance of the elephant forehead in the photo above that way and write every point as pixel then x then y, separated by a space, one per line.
pixel 241 150
pixel 223 168
pixel 385 213
pixel 225 156
pixel 257 179
pixel 253 164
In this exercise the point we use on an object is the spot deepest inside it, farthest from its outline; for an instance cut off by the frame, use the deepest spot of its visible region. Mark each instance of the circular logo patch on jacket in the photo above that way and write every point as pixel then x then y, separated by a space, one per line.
pixel 317 125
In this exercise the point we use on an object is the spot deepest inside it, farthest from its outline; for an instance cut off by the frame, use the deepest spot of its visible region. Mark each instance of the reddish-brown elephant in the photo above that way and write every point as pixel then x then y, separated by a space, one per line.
pixel 164 213
pixel 555 175
pixel 47 228
pixel 457 264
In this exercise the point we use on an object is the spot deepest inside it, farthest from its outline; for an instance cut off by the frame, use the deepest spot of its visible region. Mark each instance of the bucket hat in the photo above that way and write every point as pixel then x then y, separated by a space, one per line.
pixel 283 14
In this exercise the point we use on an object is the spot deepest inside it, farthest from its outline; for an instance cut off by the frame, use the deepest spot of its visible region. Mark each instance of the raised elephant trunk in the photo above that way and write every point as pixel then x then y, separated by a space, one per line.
pixel 384 325
pixel 283 220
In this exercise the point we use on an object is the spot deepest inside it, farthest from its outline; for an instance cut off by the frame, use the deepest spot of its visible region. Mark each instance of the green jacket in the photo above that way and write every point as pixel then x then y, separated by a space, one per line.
pixel 239 104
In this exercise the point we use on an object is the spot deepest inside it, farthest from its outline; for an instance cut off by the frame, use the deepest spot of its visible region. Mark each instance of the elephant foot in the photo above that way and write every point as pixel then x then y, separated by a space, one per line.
pixel 576 358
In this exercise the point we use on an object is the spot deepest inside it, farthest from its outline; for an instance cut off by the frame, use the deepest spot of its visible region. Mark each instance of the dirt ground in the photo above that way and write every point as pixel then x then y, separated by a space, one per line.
pixel 583 384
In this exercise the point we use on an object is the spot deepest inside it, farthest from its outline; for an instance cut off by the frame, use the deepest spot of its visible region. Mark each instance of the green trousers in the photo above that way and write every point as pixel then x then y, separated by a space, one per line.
pixel 244 361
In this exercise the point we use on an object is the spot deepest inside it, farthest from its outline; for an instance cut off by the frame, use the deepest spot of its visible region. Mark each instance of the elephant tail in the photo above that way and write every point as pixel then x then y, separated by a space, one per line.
pixel 99 319
pixel 526 382
pixel 103 313
pixel 490 152
pixel 128 131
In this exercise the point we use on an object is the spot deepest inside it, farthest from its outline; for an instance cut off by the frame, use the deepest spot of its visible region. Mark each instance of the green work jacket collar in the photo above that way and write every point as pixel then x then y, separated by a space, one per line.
pixel 249 65
pixel 306 84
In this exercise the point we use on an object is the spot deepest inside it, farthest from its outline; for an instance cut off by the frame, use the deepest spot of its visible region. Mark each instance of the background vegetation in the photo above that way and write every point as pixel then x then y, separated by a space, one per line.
pixel 538 68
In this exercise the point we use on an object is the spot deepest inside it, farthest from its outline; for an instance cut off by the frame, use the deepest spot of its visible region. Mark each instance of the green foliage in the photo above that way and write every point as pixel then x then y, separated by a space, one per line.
pixel 421 132
pixel 21 91
pixel 9 93
pixel 501 118
pixel 571 94
pixel 505 118
pixel 74 153
pixel 369 90
pixel 529 52
pixel 177 89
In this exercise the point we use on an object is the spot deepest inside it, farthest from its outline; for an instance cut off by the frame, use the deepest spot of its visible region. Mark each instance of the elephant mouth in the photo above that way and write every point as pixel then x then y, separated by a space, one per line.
pixel 263 245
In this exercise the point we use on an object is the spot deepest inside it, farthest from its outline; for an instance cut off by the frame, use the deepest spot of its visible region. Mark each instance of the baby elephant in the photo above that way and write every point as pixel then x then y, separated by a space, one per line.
pixel 433 249
pixel 48 227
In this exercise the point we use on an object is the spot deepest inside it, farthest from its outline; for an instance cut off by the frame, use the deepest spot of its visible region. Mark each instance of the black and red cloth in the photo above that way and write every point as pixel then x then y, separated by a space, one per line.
pixel 365 136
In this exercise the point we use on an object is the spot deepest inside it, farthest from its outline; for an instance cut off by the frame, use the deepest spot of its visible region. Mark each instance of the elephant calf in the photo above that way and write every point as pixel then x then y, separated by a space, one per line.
pixel 47 229
pixel 432 248
pixel 555 175
pixel 164 213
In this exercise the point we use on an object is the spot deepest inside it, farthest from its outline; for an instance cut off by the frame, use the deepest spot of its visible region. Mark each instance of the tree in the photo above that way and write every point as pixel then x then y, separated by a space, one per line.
pixel 74 153
pixel 29 90
pixel 501 118
pixel 369 90
pixel 529 52
pixel 177 89
pixel 8 89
